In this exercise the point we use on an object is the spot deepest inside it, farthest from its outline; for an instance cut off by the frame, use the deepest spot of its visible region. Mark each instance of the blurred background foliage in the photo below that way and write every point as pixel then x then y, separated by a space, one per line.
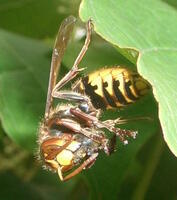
pixel 143 169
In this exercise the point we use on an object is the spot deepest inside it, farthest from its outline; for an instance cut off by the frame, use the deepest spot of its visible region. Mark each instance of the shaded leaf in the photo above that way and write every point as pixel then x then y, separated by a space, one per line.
pixel 23 80
pixel 38 19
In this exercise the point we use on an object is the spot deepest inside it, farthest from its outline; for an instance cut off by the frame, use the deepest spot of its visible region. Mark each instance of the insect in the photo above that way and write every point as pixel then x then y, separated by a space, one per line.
pixel 72 135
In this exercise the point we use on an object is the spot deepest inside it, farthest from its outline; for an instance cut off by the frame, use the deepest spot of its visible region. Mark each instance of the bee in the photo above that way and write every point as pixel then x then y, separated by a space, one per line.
pixel 72 135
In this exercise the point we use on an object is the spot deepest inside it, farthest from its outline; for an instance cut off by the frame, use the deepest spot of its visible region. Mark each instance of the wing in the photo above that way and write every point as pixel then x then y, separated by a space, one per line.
pixel 61 42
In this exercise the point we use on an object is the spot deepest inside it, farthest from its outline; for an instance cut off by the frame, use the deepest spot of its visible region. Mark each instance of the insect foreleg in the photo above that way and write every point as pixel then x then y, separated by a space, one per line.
pixel 90 161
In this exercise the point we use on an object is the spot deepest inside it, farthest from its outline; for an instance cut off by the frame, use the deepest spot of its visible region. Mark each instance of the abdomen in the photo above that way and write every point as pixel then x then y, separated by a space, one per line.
pixel 112 87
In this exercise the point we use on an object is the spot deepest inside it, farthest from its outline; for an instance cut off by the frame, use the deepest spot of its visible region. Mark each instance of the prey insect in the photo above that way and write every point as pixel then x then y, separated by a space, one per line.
pixel 72 135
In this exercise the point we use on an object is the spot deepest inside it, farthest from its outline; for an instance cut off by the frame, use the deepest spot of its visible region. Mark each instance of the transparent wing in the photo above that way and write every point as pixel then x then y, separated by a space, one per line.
pixel 61 42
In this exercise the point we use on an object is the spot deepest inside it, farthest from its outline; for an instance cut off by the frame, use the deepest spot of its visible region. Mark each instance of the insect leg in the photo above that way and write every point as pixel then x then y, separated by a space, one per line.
pixel 112 145
pixel 96 136
pixel 120 132
pixel 124 121
pixel 75 127
pixel 108 124
pixel 75 70
pixel 71 96
pixel 84 165
pixel 84 102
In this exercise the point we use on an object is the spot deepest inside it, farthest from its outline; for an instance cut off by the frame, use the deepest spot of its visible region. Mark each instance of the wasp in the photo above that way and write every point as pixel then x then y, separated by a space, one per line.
pixel 71 135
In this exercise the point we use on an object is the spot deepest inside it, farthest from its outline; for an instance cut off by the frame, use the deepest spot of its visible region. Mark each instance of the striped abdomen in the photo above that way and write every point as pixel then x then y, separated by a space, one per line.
pixel 112 87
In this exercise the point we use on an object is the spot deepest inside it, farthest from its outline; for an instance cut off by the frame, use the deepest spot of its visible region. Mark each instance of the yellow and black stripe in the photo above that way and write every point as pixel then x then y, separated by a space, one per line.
pixel 112 87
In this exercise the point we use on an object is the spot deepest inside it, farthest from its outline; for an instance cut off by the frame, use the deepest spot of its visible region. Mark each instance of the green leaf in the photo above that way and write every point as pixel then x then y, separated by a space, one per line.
pixel 163 79
pixel 44 185
pixel 156 164
pixel 38 19
pixel 24 66
pixel 148 27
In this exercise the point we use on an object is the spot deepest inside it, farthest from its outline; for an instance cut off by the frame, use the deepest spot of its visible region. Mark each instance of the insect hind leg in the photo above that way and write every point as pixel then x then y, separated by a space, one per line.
pixel 121 133
pixel 70 96
pixel 108 124
pixel 75 70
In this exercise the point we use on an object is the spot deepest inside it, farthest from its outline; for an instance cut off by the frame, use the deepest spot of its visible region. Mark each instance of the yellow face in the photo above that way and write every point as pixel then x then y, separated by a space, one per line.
pixel 59 153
